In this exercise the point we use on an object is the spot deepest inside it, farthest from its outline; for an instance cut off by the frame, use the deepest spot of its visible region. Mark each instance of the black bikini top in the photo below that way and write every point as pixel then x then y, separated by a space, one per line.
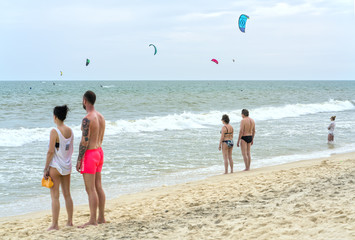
pixel 57 144
pixel 227 131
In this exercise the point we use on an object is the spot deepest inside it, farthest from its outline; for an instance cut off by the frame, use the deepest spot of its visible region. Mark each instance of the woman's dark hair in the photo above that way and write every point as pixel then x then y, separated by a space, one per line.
pixel 90 96
pixel 245 112
pixel 61 112
pixel 225 118
pixel 333 118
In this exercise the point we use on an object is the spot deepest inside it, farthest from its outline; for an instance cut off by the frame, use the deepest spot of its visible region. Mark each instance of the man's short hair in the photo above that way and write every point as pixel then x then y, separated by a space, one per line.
pixel 245 112
pixel 90 97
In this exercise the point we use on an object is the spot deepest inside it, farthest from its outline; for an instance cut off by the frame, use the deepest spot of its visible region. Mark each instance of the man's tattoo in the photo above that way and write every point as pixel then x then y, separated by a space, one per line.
pixel 82 150
pixel 85 125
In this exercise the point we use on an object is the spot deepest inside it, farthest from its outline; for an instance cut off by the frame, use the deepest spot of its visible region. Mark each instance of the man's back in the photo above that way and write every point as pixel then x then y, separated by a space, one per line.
pixel 247 126
pixel 96 129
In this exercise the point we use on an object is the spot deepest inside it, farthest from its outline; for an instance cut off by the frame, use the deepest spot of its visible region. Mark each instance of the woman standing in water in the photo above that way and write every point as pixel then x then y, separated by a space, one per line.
pixel 226 143
pixel 58 164
pixel 331 128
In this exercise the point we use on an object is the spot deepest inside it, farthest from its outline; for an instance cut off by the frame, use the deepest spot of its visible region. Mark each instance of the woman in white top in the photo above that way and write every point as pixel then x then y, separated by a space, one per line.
pixel 331 128
pixel 58 165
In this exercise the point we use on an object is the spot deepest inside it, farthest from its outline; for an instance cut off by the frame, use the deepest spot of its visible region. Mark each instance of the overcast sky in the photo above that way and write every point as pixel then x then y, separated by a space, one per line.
pixel 304 39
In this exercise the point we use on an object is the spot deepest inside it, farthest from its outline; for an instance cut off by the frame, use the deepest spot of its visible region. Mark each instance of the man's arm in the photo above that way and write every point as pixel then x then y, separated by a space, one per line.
pixel 241 132
pixel 103 131
pixel 84 143
pixel 253 133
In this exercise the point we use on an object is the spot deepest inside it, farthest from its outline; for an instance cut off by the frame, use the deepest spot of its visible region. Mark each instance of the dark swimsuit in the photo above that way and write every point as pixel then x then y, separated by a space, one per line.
pixel 247 139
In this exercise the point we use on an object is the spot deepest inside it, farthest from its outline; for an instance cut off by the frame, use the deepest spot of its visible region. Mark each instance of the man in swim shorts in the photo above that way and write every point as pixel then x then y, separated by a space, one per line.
pixel 91 158
pixel 246 137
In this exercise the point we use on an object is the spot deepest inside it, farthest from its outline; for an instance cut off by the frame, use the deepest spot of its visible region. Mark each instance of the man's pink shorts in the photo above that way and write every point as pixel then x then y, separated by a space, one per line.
pixel 92 161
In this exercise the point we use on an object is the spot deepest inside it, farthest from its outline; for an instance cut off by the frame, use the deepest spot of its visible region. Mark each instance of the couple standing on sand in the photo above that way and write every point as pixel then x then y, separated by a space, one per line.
pixel 245 138
pixel 90 160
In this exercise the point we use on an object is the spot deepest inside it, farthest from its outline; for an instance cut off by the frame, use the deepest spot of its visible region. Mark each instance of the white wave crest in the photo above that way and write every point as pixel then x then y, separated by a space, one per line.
pixel 186 120
pixel 107 86
pixel 296 110
pixel 22 136
pixel 153 124
pixel 19 137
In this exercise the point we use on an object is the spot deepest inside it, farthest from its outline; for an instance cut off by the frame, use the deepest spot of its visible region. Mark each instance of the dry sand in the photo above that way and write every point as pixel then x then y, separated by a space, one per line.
pixel 312 199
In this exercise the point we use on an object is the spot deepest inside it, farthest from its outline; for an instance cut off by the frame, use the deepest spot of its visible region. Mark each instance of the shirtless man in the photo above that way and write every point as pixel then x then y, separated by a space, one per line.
pixel 91 158
pixel 246 134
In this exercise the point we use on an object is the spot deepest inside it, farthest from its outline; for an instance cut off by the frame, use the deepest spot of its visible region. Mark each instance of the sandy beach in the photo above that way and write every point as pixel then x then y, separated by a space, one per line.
pixel 311 199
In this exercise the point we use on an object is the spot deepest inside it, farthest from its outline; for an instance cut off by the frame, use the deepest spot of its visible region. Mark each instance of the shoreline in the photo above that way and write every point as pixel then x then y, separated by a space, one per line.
pixel 158 188
pixel 175 207
pixel 188 180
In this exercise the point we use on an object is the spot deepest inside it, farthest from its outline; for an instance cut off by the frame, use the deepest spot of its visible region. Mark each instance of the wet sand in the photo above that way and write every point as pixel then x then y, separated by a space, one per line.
pixel 312 199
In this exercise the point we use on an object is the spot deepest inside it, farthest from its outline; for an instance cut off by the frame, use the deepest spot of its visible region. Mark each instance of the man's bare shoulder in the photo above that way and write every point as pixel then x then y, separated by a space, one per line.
pixel 100 116
pixel 88 117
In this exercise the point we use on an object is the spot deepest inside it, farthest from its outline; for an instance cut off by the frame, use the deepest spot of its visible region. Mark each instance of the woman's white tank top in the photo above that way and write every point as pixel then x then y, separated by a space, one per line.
pixel 62 156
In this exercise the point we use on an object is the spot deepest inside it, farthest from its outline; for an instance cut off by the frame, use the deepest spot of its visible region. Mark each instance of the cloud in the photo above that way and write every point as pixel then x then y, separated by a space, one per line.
pixel 277 8
pixel 202 16
pixel 186 33
pixel 285 9
pixel 185 36
pixel 73 14
pixel 93 15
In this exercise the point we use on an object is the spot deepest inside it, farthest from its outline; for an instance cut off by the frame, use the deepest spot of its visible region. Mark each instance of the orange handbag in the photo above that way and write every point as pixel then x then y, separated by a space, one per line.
pixel 47 183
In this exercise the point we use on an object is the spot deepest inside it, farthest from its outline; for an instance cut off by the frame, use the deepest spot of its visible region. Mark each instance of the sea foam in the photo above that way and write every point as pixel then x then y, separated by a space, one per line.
pixel 183 121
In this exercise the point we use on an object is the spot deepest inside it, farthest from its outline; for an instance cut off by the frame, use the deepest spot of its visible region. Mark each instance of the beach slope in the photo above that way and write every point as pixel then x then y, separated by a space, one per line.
pixel 311 199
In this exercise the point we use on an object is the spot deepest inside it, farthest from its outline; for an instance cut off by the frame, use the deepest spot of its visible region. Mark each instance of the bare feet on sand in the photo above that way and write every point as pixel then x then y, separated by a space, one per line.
pixel 101 221
pixel 53 228
pixel 88 224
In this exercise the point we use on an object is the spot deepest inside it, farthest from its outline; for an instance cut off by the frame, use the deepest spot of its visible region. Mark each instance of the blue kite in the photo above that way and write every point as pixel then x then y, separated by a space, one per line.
pixel 242 22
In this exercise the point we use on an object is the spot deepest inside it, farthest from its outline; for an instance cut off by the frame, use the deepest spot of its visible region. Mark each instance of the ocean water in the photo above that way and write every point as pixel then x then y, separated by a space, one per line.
pixel 165 132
